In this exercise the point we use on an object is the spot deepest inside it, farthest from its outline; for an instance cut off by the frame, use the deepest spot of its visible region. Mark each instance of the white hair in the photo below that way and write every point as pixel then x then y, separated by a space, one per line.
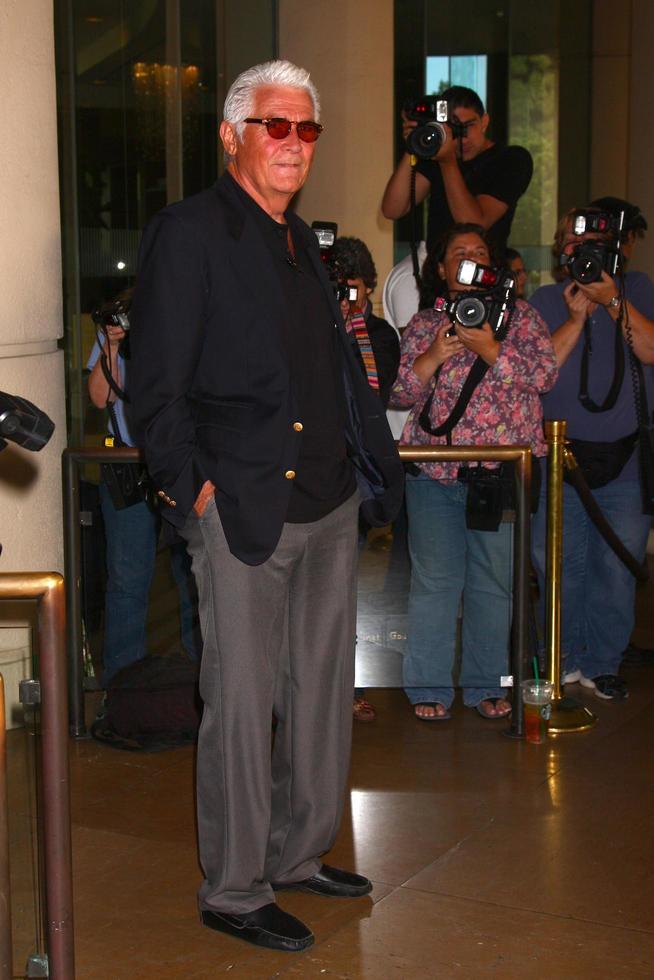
pixel 240 100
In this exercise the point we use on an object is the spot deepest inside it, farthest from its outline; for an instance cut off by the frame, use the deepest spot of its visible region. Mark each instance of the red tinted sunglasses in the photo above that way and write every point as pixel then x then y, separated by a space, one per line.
pixel 279 129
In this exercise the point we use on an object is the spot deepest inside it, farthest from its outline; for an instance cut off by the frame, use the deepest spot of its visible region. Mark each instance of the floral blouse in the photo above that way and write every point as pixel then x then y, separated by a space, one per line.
pixel 505 406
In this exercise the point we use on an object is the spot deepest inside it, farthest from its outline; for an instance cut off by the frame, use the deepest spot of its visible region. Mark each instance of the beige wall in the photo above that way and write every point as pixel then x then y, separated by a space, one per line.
pixel 30 311
pixel 610 103
pixel 640 175
pixel 622 134
pixel 348 48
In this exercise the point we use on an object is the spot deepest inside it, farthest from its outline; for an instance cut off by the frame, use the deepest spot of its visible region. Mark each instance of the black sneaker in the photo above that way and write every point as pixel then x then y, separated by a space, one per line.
pixel 610 687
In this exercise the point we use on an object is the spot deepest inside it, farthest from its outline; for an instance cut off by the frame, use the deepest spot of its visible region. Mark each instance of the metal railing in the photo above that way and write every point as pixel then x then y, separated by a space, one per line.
pixel 72 460
pixel 521 456
pixel 47 590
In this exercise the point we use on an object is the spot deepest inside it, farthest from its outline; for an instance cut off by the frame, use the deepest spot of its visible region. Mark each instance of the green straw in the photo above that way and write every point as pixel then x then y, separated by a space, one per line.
pixel 535 663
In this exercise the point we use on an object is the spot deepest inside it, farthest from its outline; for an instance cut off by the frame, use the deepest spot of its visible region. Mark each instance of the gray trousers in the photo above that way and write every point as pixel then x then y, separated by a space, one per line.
pixel 278 637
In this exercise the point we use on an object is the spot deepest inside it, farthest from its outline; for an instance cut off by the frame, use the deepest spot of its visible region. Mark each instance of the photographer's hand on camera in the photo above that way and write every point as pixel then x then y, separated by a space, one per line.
pixel 445 345
pixel 407 125
pixel 579 308
pixel 481 341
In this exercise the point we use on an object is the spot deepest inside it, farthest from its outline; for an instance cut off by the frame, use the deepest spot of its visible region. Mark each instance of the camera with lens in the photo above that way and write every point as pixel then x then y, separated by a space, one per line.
pixel 327 233
pixel 491 301
pixel 113 314
pixel 343 291
pixel 431 114
pixel 589 259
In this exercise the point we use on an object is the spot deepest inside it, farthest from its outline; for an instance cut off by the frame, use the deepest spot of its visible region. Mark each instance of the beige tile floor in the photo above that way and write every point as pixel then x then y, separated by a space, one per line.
pixel 488 856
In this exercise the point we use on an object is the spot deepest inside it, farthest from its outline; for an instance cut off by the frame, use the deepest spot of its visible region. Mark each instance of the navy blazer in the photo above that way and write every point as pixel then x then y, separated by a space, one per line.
pixel 210 383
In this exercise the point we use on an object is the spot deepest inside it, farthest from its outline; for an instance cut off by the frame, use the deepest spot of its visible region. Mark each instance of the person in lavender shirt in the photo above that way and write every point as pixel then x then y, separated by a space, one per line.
pixel 598 591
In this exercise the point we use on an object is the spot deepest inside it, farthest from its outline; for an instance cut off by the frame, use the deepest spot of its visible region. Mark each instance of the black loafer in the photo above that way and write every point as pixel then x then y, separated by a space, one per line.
pixel 268 926
pixel 331 881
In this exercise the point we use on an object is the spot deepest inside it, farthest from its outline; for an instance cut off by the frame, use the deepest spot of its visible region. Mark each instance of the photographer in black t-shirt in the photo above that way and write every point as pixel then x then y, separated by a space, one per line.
pixel 470 179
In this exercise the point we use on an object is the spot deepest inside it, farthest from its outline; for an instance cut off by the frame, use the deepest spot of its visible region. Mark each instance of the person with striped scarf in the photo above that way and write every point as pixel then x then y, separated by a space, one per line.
pixel 377 348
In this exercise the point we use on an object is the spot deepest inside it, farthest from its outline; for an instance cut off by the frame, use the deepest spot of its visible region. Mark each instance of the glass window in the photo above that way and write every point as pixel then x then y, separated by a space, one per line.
pixel 139 87
pixel 469 70
pixel 530 64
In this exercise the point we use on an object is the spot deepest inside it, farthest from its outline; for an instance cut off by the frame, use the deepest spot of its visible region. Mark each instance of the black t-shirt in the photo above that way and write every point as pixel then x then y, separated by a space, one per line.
pixel 324 474
pixel 503 172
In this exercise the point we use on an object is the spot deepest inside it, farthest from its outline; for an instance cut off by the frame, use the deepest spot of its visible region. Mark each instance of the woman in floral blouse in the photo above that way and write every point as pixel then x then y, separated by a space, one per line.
pixel 448 559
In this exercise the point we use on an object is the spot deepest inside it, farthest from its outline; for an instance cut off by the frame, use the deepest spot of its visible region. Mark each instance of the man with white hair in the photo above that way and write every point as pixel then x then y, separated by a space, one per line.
pixel 262 437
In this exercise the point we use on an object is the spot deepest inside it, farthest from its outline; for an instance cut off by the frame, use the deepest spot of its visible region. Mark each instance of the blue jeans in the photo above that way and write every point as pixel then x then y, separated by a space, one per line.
pixel 449 561
pixel 597 591
pixel 131 540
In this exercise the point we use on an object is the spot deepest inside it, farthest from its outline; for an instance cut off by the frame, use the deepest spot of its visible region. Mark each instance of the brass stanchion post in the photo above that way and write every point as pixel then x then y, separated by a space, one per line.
pixel 568 715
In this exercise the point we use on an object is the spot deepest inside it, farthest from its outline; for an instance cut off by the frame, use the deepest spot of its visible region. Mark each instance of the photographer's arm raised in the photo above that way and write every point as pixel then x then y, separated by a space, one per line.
pixel 565 337
pixel 100 391
pixel 642 328
pixel 396 201
pixel 642 333
pixel 481 210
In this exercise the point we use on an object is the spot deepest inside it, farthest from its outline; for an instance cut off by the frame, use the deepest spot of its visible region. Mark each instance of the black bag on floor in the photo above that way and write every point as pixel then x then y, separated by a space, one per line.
pixel 152 705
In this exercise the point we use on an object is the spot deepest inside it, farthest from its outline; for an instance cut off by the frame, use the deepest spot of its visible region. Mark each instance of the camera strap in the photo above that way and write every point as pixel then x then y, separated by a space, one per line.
pixel 618 370
pixel 475 375
pixel 414 224
pixel 111 381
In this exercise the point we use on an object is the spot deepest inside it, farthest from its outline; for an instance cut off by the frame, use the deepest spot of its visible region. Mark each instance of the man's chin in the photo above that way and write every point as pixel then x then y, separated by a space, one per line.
pixel 288 183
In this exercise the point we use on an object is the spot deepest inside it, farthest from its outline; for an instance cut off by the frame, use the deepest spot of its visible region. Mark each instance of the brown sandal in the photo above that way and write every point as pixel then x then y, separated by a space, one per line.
pixel 363 710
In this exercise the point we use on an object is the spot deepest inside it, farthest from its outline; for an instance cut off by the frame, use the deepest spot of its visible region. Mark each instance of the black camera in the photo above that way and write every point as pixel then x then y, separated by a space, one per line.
pixel 589 259
pixel 343 291
pixel 598 222
pixel 586 262
pixel 492 303
pixel 326 233
pixel 431 114
pixel 113 314
pixel 23 423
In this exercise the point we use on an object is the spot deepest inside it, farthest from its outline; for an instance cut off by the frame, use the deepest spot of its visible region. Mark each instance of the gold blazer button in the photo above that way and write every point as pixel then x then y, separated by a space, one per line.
pixel 290 474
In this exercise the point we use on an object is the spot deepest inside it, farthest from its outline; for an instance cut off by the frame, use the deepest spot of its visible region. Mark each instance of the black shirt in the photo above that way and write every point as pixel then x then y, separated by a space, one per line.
pixel 324 475
pixel 503 172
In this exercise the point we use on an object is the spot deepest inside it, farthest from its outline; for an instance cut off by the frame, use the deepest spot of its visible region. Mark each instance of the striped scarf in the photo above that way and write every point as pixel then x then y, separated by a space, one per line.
pixel 363 340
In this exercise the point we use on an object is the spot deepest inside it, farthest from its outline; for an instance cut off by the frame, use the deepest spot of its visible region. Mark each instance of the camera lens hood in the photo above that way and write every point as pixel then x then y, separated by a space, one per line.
pixel 586 265
pixel 425 141
pixel 470 311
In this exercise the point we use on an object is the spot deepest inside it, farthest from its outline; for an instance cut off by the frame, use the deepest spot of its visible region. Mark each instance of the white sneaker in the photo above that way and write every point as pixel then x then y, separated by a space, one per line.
pixel 576 677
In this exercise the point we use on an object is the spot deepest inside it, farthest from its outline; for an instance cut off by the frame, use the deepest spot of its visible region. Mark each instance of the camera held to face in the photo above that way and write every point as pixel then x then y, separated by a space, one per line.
pixel 587 262
pixel 431 114
pixel 492 303
pixel 589 259
pixel 113 314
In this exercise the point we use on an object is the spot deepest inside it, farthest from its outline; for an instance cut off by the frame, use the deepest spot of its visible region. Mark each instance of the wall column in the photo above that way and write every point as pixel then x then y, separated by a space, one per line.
pixel 348 48
pixel 30 306
pixel 640 187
